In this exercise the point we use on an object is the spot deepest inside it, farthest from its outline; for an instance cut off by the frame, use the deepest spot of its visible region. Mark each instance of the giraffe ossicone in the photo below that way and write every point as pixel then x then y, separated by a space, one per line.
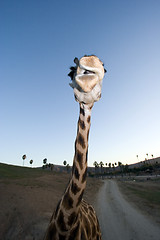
pixel 74 219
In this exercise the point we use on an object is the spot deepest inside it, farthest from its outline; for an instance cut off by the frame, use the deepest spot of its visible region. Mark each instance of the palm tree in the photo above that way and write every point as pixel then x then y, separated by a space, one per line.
pixel 101 164
pixel 152 155
pixel 119 164
pixel 109 165
pixel 64 162
pixel 106 166
pixel 95 164
pixel 147 155
pixel 24 157
pixel 44 160
pixel 137 157
pixel 126 168
pixel 31 161
pixel 113 166
pixel 52 166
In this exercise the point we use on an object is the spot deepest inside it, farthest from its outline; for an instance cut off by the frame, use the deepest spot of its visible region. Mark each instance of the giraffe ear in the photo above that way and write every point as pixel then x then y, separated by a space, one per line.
pixel 76 61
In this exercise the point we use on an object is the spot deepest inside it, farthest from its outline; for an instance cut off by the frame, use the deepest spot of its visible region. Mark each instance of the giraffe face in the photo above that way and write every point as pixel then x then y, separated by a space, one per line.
pixel 90 72
pixel 87 78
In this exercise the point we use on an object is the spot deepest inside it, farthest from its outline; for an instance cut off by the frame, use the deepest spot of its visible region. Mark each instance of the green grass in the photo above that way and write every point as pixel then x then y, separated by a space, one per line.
pixel 16 172
pixel 150 195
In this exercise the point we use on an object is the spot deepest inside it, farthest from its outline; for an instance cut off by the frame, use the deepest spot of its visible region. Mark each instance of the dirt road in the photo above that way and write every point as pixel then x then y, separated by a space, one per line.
pixel 119 219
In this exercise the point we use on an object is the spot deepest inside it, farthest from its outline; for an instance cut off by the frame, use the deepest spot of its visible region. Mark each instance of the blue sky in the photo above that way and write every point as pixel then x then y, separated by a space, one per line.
pixel 38 42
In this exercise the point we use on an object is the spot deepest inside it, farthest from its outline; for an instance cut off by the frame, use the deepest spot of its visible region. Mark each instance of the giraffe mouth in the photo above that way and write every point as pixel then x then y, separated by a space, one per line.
pixel 86 79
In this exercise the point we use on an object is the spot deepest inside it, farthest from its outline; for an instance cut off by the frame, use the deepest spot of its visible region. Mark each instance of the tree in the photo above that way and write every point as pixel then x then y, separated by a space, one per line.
pixel 109 165
pixel 106 166
pixel 121 167
pixel 44 160
pixel 95 164
pixel 68 167
pixel 126 168
pixel 24 157
pixel 31 161
pixel 101 164
pixel 52 167
pixel 119 164
pixel 64 162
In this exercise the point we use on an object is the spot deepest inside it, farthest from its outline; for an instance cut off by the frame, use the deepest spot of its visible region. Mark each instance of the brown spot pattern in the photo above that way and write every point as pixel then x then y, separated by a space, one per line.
pixel 85 209
pixel 67 201
pixel 61 222
pixel 98 237
pixel 79 158
pixel 80 198
pixel 61 237
pixel 72 218
pixel 87 225
pixel 76 173
pixel 74 233
pixel 51 231
pixel 84 176
pixel 87 135
pixel 93 227
pixel 74 188
pixel 81 141
pixel 89 119
pixel 83 234
pixel 82 124
pixel 82 111
pixel 87 155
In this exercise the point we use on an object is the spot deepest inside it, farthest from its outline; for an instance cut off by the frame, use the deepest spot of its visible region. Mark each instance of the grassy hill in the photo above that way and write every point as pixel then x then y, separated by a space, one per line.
pixel 16 172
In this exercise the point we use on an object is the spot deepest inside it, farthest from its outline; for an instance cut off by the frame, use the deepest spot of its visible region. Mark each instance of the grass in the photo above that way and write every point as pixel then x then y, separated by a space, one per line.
pixel 16 172
pixel 145 195
pixel 151 195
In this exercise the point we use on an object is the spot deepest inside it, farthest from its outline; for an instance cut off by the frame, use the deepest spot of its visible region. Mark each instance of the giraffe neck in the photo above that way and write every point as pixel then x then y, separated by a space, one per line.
pixel 74 192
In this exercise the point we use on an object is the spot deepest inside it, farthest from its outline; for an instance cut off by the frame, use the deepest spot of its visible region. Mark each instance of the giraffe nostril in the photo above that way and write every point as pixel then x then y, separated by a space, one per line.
pixel 88 72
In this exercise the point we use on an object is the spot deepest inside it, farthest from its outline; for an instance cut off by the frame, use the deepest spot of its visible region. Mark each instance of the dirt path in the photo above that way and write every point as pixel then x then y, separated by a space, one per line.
pixel 119 219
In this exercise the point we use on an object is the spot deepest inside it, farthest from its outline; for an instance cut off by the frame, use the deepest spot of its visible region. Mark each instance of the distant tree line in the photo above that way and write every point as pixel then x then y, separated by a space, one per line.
pixel 47 165
pixel 120 169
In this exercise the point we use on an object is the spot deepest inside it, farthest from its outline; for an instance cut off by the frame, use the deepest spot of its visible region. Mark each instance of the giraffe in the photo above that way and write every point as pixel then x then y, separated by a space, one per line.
pixel 74 218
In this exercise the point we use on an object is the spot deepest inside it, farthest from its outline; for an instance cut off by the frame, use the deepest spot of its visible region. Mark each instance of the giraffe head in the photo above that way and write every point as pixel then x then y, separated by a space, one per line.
pixel 87 78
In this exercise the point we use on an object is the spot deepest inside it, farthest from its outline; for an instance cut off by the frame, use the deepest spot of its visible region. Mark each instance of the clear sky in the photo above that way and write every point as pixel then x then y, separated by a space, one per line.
pixel 38 113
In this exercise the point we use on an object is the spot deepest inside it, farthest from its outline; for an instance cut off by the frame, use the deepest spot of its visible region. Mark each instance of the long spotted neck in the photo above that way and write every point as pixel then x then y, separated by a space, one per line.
pixel 74 192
